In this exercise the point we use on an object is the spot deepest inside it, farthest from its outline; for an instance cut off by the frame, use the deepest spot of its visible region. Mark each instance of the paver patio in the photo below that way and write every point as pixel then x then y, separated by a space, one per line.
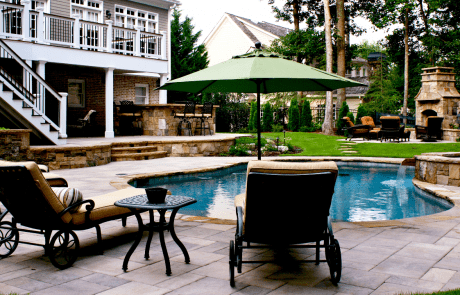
pixel 419 254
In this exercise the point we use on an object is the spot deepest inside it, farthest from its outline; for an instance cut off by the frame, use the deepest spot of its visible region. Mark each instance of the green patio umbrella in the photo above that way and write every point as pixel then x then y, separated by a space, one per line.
pixel 259 72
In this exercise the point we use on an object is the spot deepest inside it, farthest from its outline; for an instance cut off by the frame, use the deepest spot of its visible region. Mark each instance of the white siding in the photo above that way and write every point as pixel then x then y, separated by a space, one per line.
pixel 228 40
pixel 261 36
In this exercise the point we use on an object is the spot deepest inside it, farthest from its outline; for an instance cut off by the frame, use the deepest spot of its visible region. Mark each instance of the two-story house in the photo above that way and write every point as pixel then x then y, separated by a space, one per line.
pixel 61 58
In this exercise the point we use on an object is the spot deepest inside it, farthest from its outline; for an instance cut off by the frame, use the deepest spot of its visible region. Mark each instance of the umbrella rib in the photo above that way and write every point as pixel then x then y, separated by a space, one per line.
pixel 327 88
pixel 206 86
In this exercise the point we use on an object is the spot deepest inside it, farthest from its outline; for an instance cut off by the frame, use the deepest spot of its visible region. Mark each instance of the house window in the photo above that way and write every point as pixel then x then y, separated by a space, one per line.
pixel 147 21
pixel 89 10
pixel 76 90
pixel 142 94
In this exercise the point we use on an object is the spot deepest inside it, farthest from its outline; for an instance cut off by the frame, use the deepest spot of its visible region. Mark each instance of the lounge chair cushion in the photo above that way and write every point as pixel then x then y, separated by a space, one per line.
pixel 367 120
pixel 68 196
pixel 104 206
pixel 55 180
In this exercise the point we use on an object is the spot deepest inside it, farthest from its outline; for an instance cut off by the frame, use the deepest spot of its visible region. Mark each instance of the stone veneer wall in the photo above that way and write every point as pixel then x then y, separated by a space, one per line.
pixel 451 134
pixel 438 168
pixel 195 148
pixel 14 144
pixel 151 116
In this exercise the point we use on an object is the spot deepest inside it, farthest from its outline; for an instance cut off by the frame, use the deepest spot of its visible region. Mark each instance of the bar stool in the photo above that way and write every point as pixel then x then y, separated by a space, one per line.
pixel 204 116
pixel 185 126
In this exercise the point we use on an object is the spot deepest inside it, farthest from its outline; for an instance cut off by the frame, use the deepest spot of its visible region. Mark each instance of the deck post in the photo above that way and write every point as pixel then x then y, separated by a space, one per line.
pixel 63 115
pixel 109 133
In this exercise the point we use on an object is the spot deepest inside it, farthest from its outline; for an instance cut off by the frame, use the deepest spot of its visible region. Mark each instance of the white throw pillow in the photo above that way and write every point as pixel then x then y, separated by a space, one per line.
pixel 68 196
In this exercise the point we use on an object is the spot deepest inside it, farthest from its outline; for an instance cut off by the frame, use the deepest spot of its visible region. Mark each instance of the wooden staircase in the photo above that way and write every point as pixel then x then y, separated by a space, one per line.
pixel 128 151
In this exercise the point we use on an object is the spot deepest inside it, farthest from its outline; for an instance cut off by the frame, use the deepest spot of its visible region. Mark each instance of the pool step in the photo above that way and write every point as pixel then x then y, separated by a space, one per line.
pixel 135 151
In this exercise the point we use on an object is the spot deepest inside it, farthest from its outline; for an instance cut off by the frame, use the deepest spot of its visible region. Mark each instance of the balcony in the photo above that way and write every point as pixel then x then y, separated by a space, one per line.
pixel 19 22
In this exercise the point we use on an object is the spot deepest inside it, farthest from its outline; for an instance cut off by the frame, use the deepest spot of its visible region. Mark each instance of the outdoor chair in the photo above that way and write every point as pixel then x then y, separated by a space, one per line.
pixel 286 205
pixel 356 130
pixel 205 115
pixel 84 125
pixel 35 205
pixel 404 134
pixel 185 125
pixel 432 131
pixel 374 132
pixel 390 128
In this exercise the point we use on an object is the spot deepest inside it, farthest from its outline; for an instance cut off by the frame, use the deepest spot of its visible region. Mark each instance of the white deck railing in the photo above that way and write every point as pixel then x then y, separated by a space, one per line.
pixel 22 23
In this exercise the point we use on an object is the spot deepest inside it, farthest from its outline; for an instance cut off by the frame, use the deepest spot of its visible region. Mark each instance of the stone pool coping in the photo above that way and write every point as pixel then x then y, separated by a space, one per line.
pixel 449 193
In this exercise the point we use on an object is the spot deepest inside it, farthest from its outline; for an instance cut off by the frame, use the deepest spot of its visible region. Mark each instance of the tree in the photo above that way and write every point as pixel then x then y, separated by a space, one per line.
pixel 267 118
pixel 361 113
pixel 341 56
pixel 344 109
pixel 252 125
pixel 327 125
pixel 294 115
pixel 306 119
pixel 186 57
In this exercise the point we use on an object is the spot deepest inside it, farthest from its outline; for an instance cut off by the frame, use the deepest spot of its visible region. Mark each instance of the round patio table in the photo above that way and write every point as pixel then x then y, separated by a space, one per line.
pixel 173 203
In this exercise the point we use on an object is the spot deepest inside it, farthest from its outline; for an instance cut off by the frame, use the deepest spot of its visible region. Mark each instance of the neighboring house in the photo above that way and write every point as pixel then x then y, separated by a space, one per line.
pixel 235 35
pixel 88 54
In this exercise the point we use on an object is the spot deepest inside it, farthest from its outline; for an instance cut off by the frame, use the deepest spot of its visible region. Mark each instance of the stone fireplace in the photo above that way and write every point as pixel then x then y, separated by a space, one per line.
pixel 438 96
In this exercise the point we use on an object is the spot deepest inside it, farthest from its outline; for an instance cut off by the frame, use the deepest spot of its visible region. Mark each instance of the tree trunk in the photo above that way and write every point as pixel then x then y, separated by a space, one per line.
pixel 406 63
pixel 328 119
pixel 341 68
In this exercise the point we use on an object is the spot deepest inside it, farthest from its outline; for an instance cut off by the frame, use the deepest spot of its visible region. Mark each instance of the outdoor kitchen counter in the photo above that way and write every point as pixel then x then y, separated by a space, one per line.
pixel 159 120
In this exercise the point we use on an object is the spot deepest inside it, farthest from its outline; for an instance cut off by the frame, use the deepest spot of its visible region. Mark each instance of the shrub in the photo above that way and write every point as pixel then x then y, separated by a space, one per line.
pixel 306 117
pixel 351 116
pixel 294 115
pixel 277 128
pixel 344 109
pixel 267 119
pixel 361 113
pixel 252 125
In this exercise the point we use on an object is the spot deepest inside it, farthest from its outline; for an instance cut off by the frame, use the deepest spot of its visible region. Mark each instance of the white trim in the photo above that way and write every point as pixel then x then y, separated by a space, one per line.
pixel 150 75
pixel 258 28
pixel 215 28
pixel 137 18
pixel 85 9
pixel 83 98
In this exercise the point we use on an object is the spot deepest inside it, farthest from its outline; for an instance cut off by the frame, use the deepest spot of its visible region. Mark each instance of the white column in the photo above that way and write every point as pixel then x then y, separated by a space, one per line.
pixel 109 23
pixel 25 77
pixel 41 68
pixel 63 115
pixel 163 45
pixel 109 133
pixel 76 31
pixel 26 19
pixel 40 26
pixel 163 93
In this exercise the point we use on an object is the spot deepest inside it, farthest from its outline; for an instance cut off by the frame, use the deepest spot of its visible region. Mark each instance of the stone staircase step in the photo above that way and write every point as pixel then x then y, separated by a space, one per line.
pixel 138 156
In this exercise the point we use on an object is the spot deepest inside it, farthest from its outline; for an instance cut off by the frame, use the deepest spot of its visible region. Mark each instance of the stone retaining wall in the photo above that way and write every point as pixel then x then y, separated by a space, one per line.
pixel 451 134
pixel 14 144
pixel 438 168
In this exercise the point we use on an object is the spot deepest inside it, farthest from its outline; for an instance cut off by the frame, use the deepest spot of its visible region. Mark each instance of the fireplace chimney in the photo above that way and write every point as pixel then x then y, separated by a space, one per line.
pixel 438 96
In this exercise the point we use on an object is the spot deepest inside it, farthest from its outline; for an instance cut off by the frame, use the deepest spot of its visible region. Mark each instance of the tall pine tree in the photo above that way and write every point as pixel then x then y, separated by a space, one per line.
pixel 186 57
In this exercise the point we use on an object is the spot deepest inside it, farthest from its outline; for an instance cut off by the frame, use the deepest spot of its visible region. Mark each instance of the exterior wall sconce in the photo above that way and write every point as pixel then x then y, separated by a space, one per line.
pixel 108 15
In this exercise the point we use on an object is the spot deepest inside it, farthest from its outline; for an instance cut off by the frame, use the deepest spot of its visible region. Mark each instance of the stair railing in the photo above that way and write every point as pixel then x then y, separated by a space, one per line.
pixel 35 92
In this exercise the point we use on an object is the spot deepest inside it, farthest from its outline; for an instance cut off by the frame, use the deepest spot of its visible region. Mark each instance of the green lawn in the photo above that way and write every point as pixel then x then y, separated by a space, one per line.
pixel 314 144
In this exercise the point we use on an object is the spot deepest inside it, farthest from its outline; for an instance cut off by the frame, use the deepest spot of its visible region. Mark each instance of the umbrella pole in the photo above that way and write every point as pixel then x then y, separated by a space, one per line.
pixel 259 154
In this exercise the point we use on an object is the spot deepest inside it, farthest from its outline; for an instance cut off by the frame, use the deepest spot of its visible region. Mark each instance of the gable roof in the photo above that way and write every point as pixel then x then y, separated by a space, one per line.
pixel 244 24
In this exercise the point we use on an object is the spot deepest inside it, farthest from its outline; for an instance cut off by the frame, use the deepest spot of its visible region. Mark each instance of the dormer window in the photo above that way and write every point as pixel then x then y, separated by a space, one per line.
pixel 131 18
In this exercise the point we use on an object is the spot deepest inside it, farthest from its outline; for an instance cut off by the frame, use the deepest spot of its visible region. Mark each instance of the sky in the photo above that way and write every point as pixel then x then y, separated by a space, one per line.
pixel 207 13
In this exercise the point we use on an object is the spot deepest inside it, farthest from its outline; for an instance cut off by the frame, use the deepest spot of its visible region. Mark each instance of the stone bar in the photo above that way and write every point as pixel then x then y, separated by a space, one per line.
pixel 159 120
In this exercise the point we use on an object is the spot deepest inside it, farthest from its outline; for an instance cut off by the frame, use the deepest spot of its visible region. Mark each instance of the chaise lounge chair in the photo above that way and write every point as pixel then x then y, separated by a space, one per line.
pixel 374 132
pixel 286 205
pixel 356 130
pixel 33 204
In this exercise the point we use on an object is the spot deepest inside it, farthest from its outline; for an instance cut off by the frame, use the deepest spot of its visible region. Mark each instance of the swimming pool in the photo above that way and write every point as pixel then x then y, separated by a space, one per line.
pixel 363 192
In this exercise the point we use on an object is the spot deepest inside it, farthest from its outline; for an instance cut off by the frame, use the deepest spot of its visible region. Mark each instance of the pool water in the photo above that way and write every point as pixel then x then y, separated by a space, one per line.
pixel 363 192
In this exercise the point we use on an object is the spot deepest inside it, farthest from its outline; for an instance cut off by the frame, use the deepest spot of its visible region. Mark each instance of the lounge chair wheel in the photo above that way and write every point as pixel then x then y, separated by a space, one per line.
pixel 232 262
pixel 9 238
pixel 64 249
pixel 334 260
